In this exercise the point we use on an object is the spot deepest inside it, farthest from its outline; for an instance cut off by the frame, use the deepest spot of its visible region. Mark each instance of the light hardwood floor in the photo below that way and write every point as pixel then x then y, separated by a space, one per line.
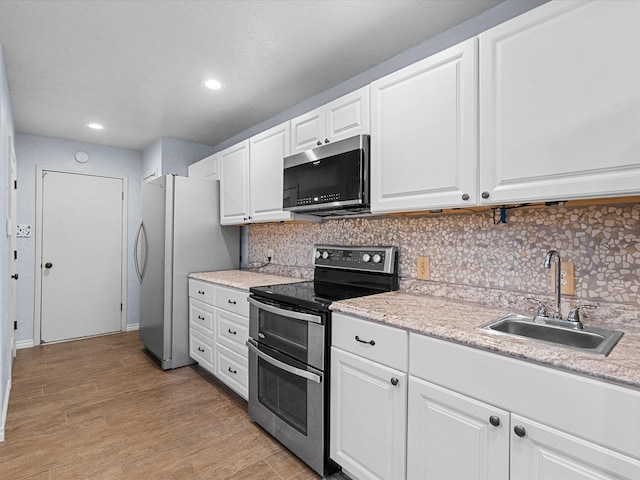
pixel 101 408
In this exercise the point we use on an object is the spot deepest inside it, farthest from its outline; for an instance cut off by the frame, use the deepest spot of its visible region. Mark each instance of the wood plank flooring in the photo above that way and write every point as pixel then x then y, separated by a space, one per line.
pixel 101 408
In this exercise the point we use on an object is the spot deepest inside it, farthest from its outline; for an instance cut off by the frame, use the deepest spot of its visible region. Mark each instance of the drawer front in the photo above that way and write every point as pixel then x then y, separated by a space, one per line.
pixel 201 349
pixel 380 343
pixel 202 291
pixel 232 331
pixel 201 317
pixel 233 300
pixel 232 369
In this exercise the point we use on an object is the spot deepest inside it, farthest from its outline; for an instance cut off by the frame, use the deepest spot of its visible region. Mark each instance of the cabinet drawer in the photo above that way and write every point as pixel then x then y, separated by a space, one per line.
pixel 201 349
pixel 390 344
pixel 201 290
pixel 201 317
pixel 232 369
pixel 232 300
pixel 232 331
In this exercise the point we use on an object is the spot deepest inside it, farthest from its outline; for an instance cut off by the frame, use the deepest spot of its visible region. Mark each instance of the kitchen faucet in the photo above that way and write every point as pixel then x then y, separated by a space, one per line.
pixel 553 255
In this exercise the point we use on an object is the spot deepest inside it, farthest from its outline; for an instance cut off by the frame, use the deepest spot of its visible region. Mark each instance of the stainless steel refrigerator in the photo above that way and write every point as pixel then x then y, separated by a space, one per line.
pixel 180 233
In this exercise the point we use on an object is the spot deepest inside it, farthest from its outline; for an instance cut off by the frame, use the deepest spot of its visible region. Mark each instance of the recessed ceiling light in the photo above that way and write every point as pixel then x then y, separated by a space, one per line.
pixel 213 84
pixel 95 126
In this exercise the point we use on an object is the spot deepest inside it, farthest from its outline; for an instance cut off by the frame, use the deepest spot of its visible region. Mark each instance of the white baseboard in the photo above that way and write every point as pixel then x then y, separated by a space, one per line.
pixel 133 326
pixel 24 344
pixel 5 409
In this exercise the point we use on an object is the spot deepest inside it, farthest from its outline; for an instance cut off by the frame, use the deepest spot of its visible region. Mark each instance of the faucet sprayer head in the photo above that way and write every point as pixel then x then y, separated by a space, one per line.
pixel 549 257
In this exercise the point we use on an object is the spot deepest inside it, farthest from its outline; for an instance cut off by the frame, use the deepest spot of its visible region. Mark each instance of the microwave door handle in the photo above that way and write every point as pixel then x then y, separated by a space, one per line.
pixel 283 366
pixel 286 313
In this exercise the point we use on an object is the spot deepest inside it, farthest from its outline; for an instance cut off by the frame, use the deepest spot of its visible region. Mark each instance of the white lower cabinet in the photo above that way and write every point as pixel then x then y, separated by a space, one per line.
pixel 453 436
pixel 219 328
pixel 368 399
pixel 543 453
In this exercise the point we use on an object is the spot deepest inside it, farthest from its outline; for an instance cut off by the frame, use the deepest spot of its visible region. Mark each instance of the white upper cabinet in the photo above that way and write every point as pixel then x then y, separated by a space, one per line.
pixel 345 117
pixel 424 133
pixel 206 168
pixel 560 103
pixel 268 150
pixel 234 184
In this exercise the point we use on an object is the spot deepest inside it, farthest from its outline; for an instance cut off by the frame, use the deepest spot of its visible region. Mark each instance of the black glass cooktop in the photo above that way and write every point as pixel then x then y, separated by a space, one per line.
pixel 312 295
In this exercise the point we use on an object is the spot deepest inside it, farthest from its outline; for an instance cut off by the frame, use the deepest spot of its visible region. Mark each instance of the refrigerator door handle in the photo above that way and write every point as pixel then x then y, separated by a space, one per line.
pixel 140 271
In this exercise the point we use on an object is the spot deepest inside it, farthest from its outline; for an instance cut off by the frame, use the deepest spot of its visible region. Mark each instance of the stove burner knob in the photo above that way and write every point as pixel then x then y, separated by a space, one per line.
pixel 366 257
pixel 318 254
pixel 325 255
pixel 377 258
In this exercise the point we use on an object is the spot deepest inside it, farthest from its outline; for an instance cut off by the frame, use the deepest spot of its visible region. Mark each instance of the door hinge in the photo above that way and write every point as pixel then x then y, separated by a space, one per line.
pixel 15 254
pixel 120 307
pixel 15 184
pixel 15 324
pixel 122 195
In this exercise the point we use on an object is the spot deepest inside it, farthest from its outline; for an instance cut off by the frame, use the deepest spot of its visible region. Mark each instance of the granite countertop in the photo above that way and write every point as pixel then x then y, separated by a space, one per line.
pixel 457 321
pixel 242 279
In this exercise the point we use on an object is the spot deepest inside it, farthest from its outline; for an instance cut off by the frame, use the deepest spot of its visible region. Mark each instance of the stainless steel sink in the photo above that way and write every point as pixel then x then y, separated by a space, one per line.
pixel 590 339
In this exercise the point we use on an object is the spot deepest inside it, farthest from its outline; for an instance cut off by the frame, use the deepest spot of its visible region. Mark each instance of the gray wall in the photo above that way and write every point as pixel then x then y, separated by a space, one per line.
pixel 6 132
pixel 472 27
pixel 33 151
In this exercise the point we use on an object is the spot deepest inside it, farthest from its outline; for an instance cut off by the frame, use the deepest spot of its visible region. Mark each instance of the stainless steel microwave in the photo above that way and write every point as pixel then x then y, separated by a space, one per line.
pixel 332 179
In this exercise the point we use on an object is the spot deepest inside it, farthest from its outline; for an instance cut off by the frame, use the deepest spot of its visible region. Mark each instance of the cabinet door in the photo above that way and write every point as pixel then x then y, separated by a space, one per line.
pixel 268 150
pixel 234 184
pixel 560 103
pixel 210 167
pixel 368 417
pixel 450 436
pixel 347 116
pixel 424 133
pixel 543 453
pixel 196 170
pixel 307 131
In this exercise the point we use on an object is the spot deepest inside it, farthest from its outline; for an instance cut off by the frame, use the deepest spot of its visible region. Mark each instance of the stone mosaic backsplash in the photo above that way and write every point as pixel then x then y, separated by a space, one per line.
pixel 473 259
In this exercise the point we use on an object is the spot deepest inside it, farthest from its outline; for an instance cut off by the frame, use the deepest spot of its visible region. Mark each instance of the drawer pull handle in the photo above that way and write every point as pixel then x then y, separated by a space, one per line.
pixel 232 371
pixel 232 332
pixel 200 292
pixel 200 317
pixel 394 381
pixel 232 302
pixel 519 431
pixel 494 420
pixel 370 342
pixel 200 349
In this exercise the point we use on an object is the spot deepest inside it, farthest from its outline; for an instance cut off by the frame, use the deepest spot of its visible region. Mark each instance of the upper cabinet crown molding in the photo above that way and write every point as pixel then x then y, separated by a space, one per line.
pixel 344 117
pixel 424 133
pixel 560 103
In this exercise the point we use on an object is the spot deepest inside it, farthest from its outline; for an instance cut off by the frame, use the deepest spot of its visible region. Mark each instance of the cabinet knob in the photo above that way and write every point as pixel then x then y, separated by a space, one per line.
pixel 394 381
pixel 494 420
pixel 519 431
pixel 370 342
pixel 319 143
pixel 326 140
pixel 48 265
pixel 485 195
pixel 465 196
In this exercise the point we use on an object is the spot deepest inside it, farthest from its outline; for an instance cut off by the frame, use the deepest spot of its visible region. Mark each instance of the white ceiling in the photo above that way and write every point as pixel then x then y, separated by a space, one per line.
pixel 136 66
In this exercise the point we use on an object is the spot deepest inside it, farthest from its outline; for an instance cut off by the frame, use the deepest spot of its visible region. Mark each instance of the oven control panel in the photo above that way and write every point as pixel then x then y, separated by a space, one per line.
pixel 373 259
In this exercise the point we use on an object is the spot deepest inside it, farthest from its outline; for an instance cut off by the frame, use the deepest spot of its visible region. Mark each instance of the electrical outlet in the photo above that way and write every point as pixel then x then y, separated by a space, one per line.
pixel 567 278
pixel 422 268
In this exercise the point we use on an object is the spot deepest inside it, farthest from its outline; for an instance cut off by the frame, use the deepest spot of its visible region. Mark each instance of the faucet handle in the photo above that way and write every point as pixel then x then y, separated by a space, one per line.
pixel 574 314
pixel 542 308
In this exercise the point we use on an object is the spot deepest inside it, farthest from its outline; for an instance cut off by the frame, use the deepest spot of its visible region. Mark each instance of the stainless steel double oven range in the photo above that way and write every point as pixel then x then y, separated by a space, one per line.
pixel 289 339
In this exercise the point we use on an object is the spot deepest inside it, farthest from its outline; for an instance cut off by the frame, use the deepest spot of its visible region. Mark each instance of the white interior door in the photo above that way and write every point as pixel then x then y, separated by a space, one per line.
pixel 81 283
pixel 13 251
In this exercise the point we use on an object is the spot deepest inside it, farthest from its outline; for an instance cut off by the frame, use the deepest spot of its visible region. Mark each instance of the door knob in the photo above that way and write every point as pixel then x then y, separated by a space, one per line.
pixel 14 276
pixel 48 265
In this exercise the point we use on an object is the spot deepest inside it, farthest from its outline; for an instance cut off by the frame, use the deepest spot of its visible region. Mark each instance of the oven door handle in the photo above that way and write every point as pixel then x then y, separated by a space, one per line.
pixel 286 313
pixel 283 366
